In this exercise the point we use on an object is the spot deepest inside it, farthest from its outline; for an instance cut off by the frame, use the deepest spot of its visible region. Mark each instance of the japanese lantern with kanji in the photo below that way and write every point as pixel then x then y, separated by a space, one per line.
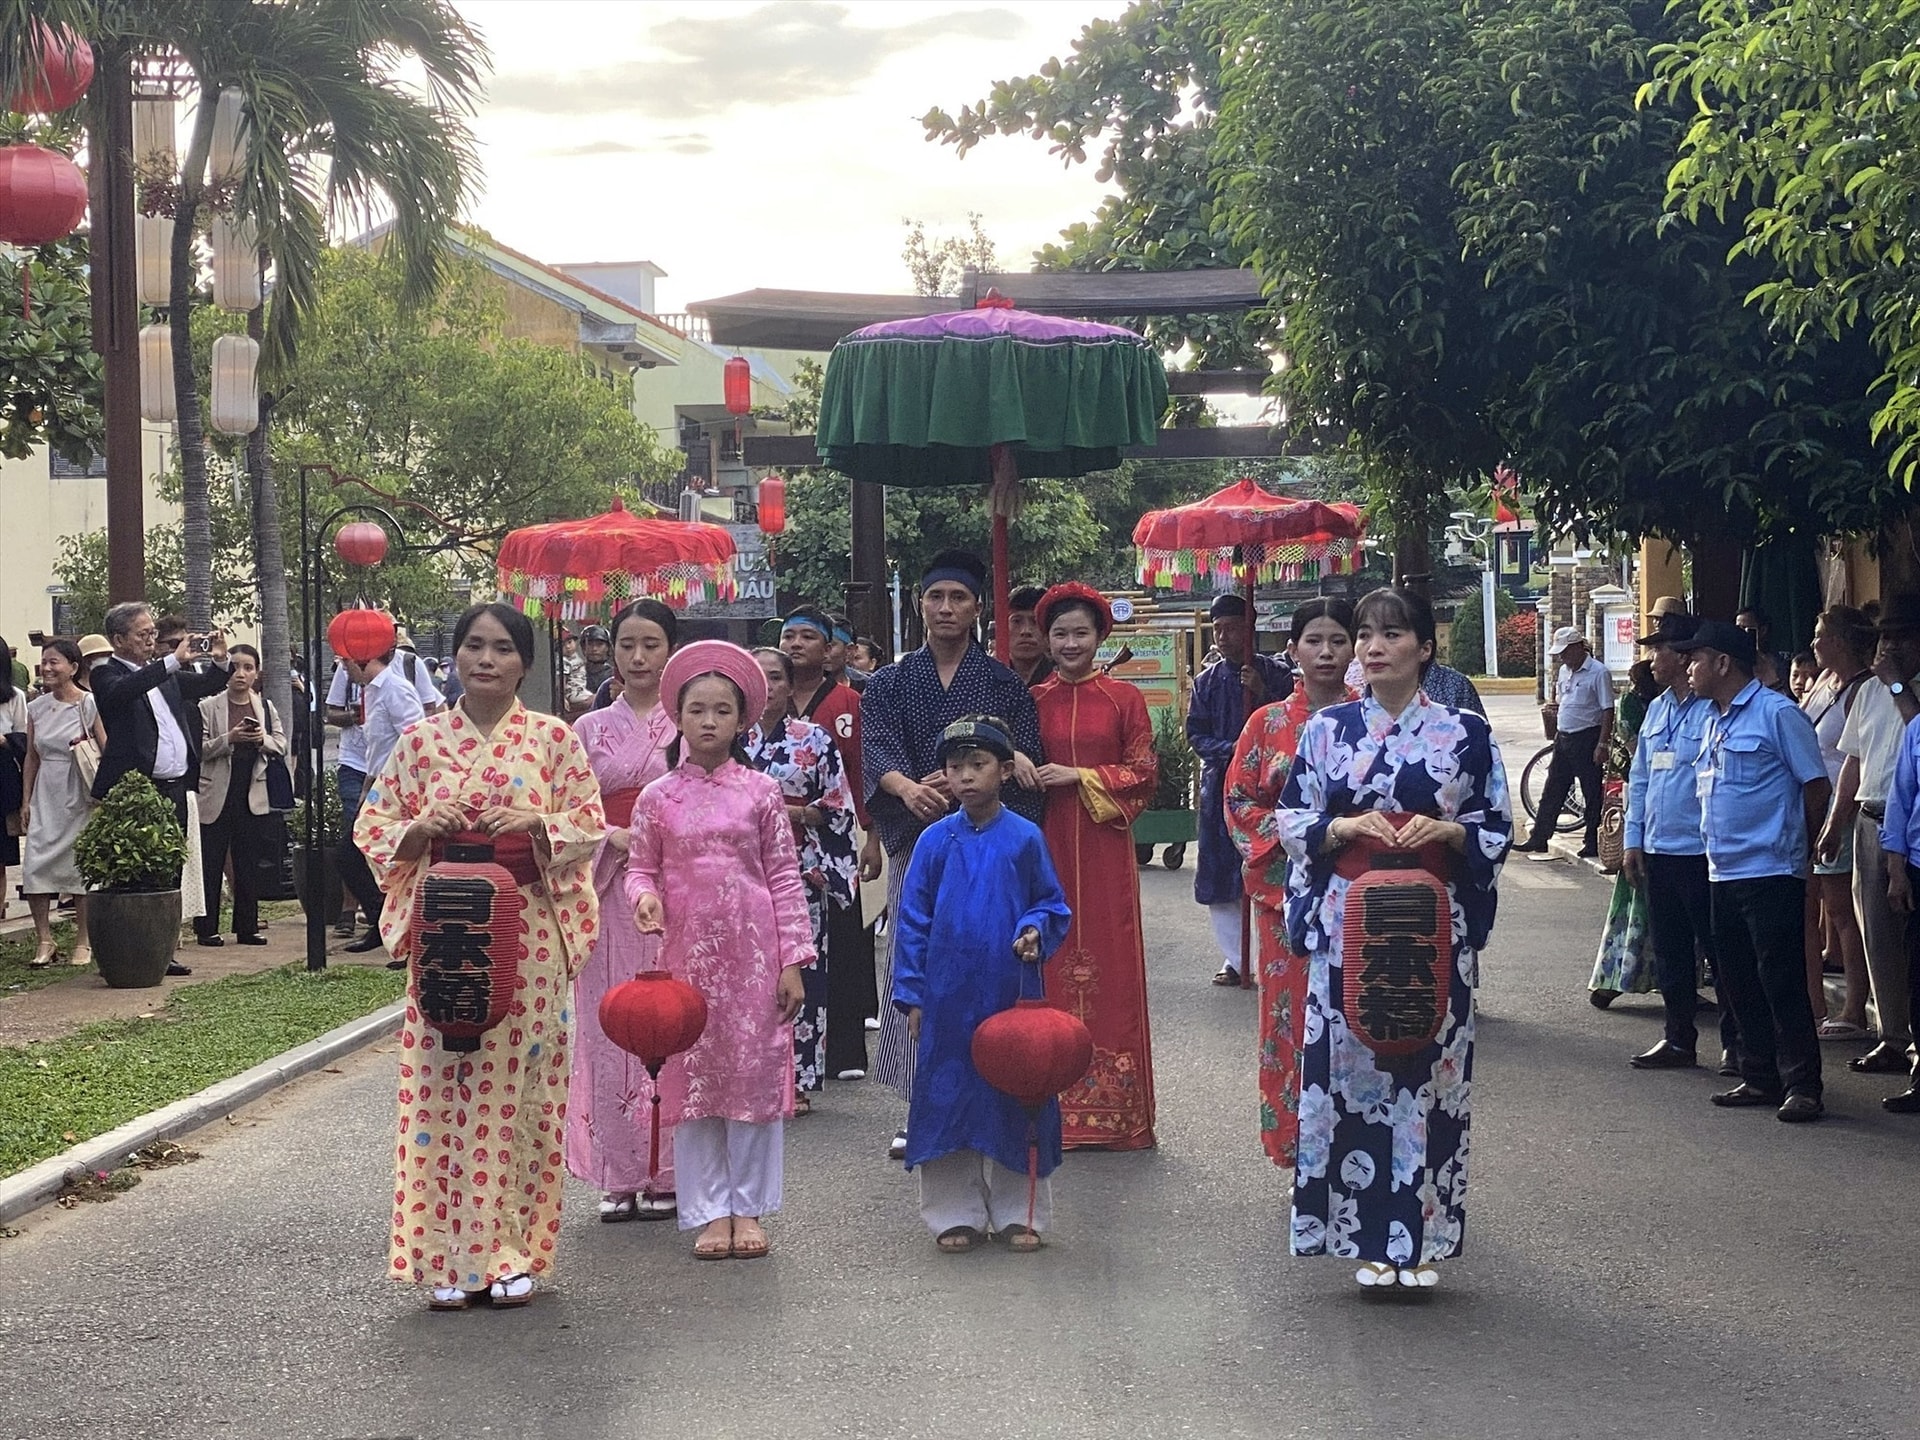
pixel 466 940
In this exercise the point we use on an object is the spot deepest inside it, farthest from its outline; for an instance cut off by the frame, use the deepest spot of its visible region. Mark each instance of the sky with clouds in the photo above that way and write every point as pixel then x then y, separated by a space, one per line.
pixel 739 143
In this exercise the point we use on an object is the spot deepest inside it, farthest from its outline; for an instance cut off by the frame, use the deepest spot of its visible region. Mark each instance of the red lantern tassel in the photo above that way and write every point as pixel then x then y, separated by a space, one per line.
pixel 1033 1168
pixel 653 1142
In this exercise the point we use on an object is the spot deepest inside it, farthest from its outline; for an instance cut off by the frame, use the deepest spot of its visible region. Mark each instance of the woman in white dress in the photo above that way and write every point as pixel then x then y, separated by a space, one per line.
pixel 56 805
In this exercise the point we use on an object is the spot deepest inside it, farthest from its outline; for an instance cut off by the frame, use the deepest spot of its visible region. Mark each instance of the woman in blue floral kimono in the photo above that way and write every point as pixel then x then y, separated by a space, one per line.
pixel 1382 1170
pixel 803 758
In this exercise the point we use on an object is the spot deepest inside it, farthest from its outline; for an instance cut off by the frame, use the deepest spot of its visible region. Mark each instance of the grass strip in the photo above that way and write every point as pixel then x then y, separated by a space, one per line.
pixel 60 1092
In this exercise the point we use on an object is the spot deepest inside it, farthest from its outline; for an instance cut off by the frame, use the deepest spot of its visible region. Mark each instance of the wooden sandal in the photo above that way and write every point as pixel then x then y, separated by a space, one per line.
pixel 958 1240
pixel 714 1244
pixel 1021 1239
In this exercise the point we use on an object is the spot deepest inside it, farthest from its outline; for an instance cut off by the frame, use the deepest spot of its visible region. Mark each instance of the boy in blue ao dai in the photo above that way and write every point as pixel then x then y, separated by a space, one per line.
pixel 981 908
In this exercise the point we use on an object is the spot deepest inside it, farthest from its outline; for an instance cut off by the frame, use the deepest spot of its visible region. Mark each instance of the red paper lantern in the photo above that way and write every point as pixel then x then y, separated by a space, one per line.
pixel 66 69
pixel 739 385
pixel 361 543
pixel 362 635
pixel 653 1017
pixel 1032 1052
pixel 466 940
pixel 772 505
pixel 43 195
pixel 1396 958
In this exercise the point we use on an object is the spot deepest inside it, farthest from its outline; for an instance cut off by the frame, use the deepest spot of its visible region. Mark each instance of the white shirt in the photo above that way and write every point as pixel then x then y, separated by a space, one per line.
pixel 170 744
pixel 1872 736
pixel 1585 695
pixel 392 705
pixel 343 694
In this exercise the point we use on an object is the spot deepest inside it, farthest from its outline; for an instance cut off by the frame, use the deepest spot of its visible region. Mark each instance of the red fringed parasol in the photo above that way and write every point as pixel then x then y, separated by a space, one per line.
pixel 574 569
pixel 1245 534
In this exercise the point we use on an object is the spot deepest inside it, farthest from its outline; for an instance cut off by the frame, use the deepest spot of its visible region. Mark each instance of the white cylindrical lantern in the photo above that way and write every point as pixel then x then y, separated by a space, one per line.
pixel 236 263
pixel 228 155
pixel 156 373
pixel 236 401
pixel 154 142
pixel 153 250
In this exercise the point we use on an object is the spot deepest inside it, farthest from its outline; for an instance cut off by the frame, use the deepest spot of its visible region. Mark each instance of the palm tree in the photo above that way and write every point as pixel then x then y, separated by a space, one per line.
pixel 331 136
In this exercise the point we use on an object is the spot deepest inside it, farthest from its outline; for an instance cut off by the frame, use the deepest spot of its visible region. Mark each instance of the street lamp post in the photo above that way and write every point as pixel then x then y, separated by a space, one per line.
pixel 1475 532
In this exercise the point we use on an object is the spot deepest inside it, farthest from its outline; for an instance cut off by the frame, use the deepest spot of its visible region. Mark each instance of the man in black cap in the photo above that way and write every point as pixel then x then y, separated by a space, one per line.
pixel 903 712
pixel 1240 681
pixel 1763 791
pixel 596 648
pixel 1665 854
pixel 1870 740
pixel 1026 646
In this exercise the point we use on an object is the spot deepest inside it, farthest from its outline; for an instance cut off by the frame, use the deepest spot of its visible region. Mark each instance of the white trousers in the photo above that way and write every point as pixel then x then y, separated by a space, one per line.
pixel 726 1167
pixel 967 1188
pixel 1225 915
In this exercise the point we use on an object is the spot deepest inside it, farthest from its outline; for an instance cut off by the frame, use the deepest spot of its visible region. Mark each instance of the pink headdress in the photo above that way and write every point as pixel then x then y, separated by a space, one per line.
pixel 714 657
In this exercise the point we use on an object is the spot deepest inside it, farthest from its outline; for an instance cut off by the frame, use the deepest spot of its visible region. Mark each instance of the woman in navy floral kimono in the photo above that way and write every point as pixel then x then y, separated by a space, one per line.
pixel 1382 1170
pixel 803 758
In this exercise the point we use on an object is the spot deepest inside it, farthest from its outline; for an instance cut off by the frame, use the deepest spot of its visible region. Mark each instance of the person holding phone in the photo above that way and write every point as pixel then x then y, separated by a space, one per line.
pixel 242 731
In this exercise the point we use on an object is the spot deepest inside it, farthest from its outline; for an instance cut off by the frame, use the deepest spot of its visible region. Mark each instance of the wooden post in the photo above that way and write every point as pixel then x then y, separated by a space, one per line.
pixel 868 599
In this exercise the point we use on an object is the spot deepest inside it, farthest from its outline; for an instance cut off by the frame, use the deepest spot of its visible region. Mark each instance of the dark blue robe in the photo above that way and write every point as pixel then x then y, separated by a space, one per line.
pixel 967 894
pixel 1215 718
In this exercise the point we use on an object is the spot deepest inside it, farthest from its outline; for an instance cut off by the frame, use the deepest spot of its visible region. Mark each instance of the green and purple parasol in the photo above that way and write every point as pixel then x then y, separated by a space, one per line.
pixel 987 397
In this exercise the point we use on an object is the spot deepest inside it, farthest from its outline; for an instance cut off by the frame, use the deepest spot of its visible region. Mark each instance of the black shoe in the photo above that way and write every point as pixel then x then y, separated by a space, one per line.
pixel 1886 1058
pixel 1664 1056
pixel 1907 1102
pixel 251 939
pixel 212 941
pixel 1729 1064
pixel 367 942
pixel 1745 1097
pixel 344 929
pixel 176 969
pixel 1590 853
pixel 1532 848
pixel 1601 999
pixel 1800 1107
pixel 396 964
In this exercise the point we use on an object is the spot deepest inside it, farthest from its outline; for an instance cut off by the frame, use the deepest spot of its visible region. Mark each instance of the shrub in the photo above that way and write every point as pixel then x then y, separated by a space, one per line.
pixel 1518 637
pixel 1466 651
pixel 1174 789
pixel 132 841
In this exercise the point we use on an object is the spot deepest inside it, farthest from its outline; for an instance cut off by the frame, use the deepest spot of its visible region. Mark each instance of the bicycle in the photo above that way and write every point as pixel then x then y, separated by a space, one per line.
pixel 1533 783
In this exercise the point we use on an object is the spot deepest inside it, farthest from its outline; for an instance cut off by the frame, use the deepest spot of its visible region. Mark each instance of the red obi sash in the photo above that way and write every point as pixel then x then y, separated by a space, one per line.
pixel 513 853
pixel 1396 953
pixel 619 806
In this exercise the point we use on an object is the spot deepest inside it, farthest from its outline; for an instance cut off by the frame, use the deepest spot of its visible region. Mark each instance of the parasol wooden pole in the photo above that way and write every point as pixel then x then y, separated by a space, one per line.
pixel 1002 493
pixel 1253 648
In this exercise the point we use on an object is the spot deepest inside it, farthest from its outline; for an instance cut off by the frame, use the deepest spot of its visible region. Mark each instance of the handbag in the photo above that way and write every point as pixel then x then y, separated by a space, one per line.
pixel 1613 829
pixel 279 779
pixel 86 759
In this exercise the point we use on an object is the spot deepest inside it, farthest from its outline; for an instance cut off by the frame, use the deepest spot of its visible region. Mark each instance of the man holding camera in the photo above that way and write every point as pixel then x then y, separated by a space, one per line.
pixel 144 703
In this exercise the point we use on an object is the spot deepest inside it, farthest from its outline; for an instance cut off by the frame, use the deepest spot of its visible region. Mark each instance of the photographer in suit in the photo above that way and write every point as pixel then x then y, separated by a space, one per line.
pixel 143 703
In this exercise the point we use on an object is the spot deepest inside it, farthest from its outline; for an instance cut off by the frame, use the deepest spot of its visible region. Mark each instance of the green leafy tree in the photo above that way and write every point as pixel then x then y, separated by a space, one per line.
pixel 1805 136
pixel 939 266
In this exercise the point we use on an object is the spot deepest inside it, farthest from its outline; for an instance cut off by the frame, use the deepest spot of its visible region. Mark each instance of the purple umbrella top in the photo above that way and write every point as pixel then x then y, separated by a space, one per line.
pixel 996 323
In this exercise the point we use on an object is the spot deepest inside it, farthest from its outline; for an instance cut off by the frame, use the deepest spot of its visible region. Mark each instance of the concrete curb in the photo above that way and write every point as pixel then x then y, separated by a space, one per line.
pixel 35 1186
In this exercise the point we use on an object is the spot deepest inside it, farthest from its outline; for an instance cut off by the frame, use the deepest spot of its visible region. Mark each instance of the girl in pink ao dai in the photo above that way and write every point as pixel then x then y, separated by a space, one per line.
pixel 711 867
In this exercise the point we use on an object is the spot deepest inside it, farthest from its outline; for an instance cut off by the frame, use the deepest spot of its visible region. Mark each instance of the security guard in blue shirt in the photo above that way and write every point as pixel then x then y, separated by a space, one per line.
pixel 1666 856
pixel 1763 791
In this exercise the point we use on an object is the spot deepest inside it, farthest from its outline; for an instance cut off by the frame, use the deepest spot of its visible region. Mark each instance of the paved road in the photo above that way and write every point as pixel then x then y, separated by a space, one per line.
pixel 1638 1263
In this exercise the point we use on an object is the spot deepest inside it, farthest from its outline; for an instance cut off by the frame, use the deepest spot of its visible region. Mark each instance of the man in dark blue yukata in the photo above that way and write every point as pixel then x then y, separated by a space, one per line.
pixel 1239 681
pixel 903 712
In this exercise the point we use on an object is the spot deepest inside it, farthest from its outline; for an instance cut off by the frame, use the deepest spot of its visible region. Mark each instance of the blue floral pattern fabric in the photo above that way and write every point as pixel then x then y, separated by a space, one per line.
pixel 802 757
pixel 1383 1149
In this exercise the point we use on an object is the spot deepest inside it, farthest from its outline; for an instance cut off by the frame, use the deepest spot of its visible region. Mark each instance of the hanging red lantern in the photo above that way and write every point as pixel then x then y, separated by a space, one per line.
pixel 361 543
pixel 466 937
pixel 361 635
pixel 772 505
pixel 653 1017
pixel 66 69
pixel 739 385
pixel 43 195
pixel 1396 945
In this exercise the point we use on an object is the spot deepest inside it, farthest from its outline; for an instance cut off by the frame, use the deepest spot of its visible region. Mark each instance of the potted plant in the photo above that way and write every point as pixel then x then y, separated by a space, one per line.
pixel 130 853
pixel 1171 819
pixel 328 829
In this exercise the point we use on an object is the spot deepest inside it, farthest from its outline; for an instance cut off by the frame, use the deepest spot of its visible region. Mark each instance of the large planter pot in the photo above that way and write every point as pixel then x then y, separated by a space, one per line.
pixel 134 935
pixel 332 894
